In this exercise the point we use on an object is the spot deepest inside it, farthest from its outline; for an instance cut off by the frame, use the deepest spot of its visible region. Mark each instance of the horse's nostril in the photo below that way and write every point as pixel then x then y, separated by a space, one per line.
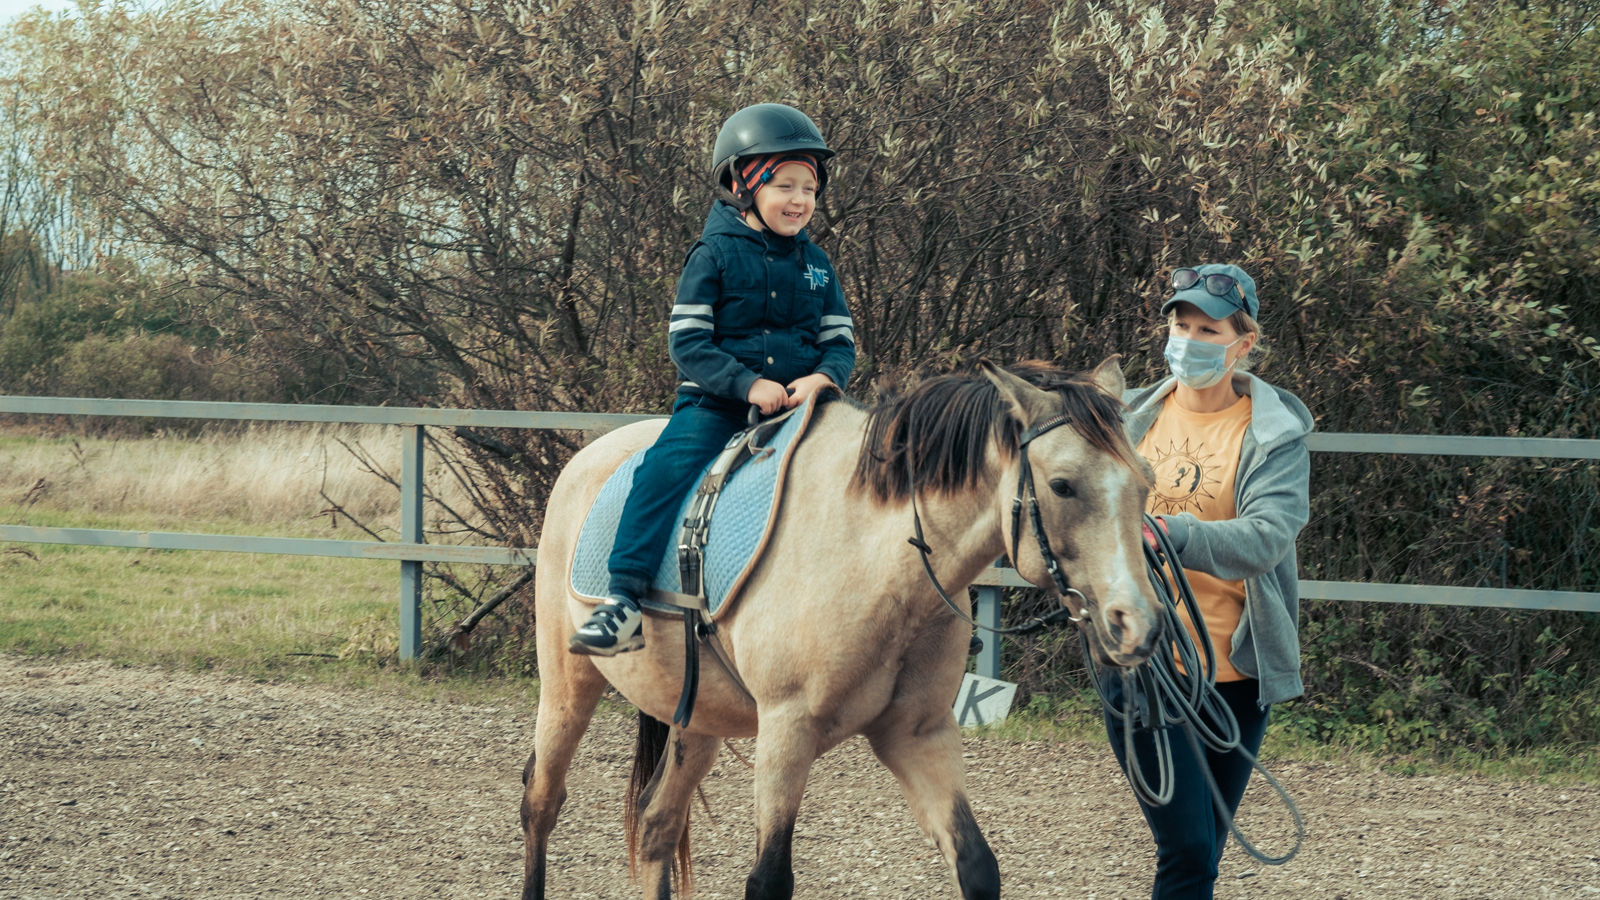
pixel 1116 623
pixel 1152 639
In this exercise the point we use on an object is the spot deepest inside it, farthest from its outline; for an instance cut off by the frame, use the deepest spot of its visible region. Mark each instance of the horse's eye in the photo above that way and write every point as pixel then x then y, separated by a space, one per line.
pixel 1062 487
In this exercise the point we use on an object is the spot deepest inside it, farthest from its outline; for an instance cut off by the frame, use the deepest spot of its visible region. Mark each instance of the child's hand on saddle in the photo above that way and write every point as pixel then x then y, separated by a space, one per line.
pixel 801 389
pixel 768 396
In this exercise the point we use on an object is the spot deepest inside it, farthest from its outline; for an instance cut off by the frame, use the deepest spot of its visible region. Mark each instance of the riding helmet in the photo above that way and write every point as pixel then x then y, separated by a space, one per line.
pixel 764 129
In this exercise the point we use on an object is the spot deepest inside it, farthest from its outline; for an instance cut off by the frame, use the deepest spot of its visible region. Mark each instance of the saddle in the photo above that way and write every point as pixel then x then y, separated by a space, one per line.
pixel 727 521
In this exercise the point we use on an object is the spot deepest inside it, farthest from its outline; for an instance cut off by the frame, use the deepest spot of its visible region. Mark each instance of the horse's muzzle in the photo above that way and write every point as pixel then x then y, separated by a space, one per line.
pixel 1122 634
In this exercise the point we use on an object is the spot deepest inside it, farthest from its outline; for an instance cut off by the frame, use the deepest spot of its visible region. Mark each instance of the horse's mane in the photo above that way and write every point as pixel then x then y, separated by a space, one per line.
pixel 937 434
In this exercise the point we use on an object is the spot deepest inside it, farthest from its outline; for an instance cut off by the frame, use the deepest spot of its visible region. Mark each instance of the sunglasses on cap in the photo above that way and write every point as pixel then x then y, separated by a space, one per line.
pixel 1216 284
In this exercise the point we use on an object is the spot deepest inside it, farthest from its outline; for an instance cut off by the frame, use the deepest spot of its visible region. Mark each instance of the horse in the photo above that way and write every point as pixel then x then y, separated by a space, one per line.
pixel 839 630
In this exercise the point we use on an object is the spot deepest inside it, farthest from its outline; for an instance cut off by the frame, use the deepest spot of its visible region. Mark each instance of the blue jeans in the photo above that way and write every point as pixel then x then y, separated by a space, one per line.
pixel 698 430
pixel 1189 832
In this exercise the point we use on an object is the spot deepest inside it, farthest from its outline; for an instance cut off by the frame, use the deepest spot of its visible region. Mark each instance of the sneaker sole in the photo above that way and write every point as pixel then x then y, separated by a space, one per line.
pixel 580 648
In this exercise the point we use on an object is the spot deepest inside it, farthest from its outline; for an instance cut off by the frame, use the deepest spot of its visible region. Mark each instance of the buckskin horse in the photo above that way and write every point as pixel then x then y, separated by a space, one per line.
pixel 838 630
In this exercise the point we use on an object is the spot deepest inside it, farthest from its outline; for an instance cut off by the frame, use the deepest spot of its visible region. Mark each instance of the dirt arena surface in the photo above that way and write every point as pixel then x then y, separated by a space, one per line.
pixel 118 782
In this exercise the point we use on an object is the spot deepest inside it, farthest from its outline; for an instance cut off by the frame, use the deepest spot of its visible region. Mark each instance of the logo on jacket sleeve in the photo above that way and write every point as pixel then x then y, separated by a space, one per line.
pixel 816 277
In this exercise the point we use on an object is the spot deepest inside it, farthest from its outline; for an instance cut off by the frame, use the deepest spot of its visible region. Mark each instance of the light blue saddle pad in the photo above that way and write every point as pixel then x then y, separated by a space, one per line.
pixel 739 524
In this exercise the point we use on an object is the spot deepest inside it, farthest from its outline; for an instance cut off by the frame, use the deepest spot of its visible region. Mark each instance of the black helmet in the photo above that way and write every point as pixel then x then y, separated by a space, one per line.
pixel 767 128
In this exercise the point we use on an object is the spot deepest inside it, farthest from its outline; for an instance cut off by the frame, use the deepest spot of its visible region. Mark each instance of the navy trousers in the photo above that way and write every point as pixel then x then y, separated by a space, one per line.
pixel 698 430
pixel 1189 832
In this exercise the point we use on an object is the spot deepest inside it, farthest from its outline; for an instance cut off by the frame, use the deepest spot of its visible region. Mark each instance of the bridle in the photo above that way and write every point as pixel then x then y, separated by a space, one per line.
pixel 1025 489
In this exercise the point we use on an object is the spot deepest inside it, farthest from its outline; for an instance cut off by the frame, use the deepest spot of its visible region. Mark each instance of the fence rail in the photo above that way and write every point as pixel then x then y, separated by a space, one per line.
pixel 412 550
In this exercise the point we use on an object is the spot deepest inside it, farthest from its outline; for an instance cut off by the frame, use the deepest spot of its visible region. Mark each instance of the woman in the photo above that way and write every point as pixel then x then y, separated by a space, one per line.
pixel 1231 490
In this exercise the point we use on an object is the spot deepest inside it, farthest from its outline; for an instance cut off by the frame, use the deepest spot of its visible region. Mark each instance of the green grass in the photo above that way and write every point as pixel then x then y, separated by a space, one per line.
pixel 254 614
pixel 188 608
pixel 270 618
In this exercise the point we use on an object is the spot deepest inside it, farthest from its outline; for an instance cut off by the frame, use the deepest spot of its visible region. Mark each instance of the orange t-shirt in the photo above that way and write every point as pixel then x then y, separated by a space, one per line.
pixel 1196 460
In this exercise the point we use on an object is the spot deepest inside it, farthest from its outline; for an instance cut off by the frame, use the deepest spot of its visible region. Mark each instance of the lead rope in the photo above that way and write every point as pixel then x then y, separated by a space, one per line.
pixel 1163 696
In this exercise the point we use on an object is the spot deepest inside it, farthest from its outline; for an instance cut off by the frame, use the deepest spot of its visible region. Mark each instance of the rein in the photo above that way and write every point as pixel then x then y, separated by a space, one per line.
pixel 1176 688
pixel 1024 488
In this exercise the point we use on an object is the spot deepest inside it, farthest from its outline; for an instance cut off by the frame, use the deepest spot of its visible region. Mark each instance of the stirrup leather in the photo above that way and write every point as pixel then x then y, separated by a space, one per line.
pixel 692 539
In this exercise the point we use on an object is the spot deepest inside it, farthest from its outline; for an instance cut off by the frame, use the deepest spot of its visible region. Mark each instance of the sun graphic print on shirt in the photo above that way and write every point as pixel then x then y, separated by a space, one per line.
pixel 1186 478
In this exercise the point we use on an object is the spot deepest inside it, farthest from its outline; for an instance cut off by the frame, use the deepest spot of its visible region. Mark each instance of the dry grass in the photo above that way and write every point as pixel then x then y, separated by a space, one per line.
pixel 292 477
pixel 241 611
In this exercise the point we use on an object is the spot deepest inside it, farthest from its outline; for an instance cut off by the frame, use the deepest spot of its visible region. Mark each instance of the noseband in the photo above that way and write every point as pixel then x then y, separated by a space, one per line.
pixel 1024 489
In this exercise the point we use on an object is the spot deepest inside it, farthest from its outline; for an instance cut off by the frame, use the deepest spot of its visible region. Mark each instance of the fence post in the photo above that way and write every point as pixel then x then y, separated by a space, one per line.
pixel 411 533
pixel 987 613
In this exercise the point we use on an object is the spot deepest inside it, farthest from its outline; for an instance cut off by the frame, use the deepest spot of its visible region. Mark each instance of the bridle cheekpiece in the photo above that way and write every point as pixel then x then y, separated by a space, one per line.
pixel 1025 488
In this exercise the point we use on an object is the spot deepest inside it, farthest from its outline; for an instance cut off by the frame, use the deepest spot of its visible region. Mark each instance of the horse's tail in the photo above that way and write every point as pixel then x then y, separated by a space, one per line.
pixel 648 751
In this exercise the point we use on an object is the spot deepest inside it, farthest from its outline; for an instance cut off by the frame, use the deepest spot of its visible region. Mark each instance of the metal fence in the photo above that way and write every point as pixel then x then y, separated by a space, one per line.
pixel 412 550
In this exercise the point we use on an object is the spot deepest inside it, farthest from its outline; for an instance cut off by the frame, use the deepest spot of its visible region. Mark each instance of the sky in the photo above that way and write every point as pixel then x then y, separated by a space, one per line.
pixel 10 9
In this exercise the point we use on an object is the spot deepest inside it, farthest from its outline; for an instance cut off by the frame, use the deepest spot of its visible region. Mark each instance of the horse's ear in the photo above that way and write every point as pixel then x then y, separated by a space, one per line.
pixel 1028 403
pixel 1108 376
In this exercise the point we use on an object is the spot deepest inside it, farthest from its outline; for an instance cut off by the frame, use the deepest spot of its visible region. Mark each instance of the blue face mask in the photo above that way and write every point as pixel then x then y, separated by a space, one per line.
pixel 1198 364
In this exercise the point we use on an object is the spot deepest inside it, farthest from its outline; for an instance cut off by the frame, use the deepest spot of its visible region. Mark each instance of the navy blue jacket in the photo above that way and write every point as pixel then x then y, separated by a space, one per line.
pixel 753 304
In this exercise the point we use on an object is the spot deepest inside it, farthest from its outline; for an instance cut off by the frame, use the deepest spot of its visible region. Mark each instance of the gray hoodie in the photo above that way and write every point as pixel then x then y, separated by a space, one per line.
pixel 1272 494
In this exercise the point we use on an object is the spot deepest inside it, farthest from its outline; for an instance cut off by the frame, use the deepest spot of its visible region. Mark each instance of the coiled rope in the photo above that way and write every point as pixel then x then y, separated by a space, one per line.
pixel 1176 689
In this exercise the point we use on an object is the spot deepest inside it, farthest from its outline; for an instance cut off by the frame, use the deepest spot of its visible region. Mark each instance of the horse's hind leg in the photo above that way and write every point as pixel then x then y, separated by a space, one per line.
pixel 926 759
pixel 663 812
pixel 569 688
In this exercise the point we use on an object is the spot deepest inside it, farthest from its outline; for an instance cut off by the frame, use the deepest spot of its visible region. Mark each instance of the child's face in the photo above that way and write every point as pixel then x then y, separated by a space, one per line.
pixel 787 201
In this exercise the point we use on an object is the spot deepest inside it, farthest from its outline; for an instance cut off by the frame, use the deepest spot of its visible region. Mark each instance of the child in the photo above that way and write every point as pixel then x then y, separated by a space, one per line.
pixel 760 320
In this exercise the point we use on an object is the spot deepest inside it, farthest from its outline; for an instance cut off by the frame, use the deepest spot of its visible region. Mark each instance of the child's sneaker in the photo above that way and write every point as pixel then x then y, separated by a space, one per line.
pixel 614 628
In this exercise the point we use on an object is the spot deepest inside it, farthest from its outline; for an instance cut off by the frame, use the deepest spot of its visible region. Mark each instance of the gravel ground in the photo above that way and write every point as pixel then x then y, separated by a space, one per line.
pixel 127 782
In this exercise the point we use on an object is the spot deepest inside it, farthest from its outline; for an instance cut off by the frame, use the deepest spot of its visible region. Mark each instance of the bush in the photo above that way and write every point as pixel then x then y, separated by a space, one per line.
pixel 468 219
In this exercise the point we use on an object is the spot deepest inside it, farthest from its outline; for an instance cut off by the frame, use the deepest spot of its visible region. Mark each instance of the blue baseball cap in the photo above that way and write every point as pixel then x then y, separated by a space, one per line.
pixel 1218 298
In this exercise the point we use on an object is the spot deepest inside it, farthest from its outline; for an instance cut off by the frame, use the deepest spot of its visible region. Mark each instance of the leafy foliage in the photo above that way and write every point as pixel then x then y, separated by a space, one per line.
pixel 487 203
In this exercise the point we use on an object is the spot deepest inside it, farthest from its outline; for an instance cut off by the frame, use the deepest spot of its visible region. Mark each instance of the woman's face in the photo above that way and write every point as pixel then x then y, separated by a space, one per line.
pixel 1187 321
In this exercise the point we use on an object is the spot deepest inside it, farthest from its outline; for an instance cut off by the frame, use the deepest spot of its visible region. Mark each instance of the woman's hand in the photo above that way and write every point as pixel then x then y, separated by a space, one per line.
pixel 801 389
pixel 768 396
pixel 1150 536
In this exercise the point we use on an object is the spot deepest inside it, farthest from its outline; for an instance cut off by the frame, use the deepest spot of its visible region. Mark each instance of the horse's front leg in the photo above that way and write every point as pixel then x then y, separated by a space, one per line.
pixel 928 767
pixel 785 751
pixel 918 740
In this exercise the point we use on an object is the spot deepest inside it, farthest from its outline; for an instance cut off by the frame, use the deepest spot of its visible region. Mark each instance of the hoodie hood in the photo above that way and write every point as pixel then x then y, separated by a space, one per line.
pixel 727 221
pixel 1276 418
